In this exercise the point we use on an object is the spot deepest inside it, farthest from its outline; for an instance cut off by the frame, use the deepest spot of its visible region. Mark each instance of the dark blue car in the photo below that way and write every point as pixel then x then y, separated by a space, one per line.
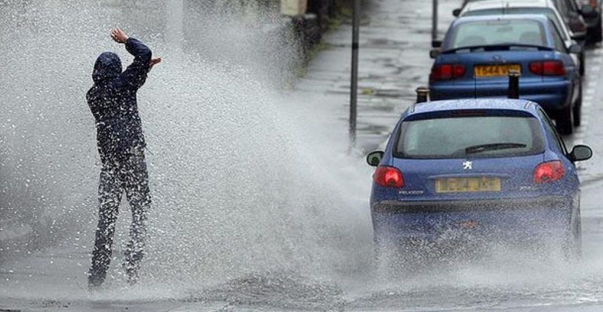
pixel 495 168
pixel 479 52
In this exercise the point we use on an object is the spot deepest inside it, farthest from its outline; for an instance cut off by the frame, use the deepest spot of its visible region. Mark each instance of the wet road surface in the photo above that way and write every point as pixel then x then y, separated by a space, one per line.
pixel 335 271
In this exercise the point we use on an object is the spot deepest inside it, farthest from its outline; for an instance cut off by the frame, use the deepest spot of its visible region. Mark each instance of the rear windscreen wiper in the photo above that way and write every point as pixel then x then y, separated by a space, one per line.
pixel 499 46
pixel 492 147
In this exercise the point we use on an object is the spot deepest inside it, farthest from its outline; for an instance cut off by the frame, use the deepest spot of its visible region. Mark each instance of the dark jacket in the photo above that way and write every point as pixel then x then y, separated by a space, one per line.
pixel 112 100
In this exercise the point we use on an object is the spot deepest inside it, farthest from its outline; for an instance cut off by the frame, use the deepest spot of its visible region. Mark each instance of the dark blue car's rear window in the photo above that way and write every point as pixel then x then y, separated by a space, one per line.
pixel 474 136
pixel 493 32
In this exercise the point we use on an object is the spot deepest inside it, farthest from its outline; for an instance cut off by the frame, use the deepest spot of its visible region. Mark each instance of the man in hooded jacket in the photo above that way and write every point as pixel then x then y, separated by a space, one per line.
pixel 121 144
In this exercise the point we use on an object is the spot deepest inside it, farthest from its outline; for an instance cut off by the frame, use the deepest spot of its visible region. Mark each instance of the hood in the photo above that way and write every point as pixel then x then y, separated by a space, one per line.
pixel 107 66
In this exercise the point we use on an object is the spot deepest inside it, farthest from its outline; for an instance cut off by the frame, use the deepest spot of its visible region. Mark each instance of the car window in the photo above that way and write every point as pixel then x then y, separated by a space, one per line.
pixel 557 40
pixel 572 6
pixel 548 125
pixel 562 7
pixel 478 33
pixel 548 12
pixel 458 137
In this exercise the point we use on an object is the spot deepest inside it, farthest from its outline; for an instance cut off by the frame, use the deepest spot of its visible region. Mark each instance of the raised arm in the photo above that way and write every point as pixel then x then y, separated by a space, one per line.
pixel 136 74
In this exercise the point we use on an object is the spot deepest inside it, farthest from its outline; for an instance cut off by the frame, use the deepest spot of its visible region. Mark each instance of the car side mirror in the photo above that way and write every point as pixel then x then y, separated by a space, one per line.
pixel 456 12
pixel 436 43
pixel 576 49
pixel 374 158
pixel 434 53
pixel 581 153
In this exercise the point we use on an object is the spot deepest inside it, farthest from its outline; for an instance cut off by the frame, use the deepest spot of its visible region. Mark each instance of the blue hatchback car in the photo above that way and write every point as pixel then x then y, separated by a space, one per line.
pixel 491 167
pixel 479 52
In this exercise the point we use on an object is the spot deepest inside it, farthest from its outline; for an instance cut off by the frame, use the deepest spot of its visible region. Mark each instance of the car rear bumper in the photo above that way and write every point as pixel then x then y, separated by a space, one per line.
pixel 551 95
pixel 504 219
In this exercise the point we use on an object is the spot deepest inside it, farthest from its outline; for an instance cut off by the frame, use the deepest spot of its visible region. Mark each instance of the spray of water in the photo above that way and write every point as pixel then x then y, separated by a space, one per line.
pixel 252 192
pixel 240 183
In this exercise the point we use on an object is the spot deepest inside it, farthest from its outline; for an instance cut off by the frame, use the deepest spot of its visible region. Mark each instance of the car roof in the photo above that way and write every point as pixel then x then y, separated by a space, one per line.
pixel 493 4
pixel 534 17
pixel 501 104
pixel 541 4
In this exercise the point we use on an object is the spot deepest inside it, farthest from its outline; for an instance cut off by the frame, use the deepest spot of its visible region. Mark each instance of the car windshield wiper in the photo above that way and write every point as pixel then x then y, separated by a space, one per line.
pixel 499 46
pixel 492 147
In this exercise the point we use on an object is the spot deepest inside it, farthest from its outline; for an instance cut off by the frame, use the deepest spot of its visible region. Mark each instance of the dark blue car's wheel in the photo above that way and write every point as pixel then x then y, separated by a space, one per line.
pixel 394 259
pixel 597 33
pixel 572 245
pixel 582 64
pixel 565 122
pixel 578 109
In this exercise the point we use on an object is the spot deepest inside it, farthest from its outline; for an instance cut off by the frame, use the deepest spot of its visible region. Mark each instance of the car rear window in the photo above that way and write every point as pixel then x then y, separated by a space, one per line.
pixel 481 33
pixel 475 137
pixel 548 12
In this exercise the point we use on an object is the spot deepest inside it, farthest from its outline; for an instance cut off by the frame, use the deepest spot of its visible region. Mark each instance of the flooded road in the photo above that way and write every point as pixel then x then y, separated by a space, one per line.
pixel 257 206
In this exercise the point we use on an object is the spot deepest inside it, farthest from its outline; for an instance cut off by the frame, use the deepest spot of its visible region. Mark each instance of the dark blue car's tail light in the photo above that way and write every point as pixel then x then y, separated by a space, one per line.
pixel 447 72
pixel 549 172
pixel 548 68
pixel 389 177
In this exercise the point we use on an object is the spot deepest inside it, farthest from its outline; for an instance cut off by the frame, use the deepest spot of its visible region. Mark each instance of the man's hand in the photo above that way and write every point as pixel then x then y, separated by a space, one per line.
pixel 155 61
pixel 119 35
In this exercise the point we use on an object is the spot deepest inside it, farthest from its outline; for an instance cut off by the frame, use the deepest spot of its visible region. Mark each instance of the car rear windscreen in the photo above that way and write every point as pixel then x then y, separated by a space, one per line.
pixel 548 12
pixel 474 137
pixel 495 32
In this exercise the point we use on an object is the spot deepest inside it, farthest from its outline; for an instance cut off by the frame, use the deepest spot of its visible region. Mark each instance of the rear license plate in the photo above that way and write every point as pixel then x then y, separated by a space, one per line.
pixel 485 71
pixel 466 185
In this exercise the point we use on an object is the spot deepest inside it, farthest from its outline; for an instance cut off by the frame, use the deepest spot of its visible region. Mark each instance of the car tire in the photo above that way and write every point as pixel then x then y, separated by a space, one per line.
pixel 577 110
pixel 572 247
pixel 564 120
pixel 582 58
pixel 392 258
pixel 597 34
pixel 384 256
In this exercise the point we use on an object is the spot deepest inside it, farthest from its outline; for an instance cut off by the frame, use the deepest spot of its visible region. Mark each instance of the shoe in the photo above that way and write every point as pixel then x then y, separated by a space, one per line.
pixel 131 273
pixel 95 280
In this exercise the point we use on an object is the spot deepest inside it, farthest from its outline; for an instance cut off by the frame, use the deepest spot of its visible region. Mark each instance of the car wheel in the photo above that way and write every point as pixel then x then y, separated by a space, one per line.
pixel 392 258
pixel 597 35
pixel 384 258
pixel 582 64
pixel 565 123
pixel 572 247
pixel 577 111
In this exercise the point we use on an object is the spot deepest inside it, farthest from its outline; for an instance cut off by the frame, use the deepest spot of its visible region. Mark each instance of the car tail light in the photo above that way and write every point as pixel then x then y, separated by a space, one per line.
pixel 549 172
pixel 548 68
pixel 389 177
pixel 447 72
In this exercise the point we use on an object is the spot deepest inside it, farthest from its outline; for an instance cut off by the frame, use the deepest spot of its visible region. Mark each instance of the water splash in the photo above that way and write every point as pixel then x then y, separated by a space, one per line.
pixel 240 182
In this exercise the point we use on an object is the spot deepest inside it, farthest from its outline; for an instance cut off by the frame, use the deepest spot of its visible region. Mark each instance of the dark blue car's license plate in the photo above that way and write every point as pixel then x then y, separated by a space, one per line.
pixel 465 185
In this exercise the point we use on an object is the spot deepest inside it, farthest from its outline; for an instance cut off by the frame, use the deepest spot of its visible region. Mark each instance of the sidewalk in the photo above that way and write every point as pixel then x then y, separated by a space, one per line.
pixel 395 40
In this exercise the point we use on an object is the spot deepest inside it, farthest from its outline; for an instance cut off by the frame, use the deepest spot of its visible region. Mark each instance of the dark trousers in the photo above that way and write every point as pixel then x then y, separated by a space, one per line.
pixel 123 173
